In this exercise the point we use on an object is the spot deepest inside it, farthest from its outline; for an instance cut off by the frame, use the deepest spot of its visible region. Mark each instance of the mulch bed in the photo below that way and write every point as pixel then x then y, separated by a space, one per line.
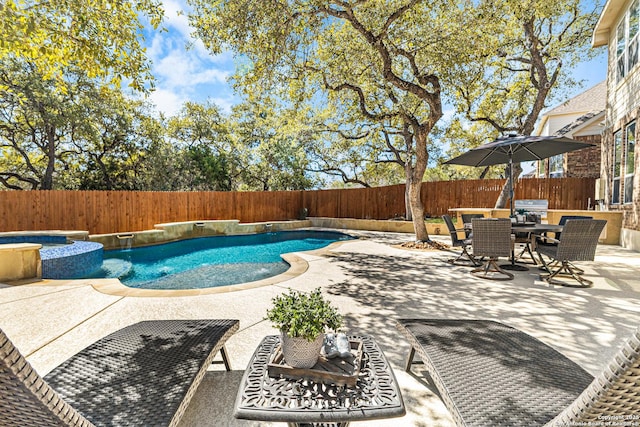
pixel 431 245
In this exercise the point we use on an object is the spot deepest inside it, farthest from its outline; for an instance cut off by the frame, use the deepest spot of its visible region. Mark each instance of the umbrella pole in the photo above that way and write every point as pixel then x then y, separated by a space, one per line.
pixel 511 184
pixel 513 266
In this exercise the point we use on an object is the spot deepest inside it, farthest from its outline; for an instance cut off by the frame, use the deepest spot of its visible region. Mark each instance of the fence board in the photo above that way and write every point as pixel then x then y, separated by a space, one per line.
pixel 121 211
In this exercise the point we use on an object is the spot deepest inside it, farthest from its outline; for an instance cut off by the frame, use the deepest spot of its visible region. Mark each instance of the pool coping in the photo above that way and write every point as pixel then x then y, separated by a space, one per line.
pixel 297 266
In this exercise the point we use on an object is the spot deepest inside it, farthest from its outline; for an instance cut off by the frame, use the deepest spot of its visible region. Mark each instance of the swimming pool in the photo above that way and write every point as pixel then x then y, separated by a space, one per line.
pixel 210 261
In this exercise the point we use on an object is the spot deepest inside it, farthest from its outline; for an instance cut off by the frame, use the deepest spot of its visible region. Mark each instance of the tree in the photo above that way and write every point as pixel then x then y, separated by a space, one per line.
pixel 539 44
pixel 35 123
pixel 114 141
pixel 103 39
pixel 381 58
pixel 209 157
pixel 72 133
pixel 351 149
pixel 271 145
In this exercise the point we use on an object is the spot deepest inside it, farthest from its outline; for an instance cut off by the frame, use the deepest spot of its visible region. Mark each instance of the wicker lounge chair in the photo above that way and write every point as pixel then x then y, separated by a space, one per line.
pixel 492 239
pixel 465 258
pixel 489 374
pixel 578 243
pixel 142 375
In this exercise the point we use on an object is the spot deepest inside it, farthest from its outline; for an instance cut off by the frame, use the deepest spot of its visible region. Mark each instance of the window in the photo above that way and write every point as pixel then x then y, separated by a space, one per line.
pixel 630 161
pixel 542 168
pixel 620 50
pixel 627 41
pixel 632 54
pixel 555 166
pixel 615 173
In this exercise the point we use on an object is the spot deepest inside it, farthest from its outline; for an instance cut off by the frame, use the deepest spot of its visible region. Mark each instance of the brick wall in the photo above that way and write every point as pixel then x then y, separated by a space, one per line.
pixel 584 163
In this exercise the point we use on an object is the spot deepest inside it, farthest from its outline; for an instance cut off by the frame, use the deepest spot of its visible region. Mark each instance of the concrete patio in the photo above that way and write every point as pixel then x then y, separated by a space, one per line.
pixel 373 283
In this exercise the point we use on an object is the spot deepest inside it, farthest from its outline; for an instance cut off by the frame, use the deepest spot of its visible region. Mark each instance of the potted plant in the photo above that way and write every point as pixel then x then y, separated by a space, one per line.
pixel 303 319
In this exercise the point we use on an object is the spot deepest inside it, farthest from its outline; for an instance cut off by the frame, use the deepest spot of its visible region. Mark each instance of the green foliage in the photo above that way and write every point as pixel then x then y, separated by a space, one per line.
pixel 103 39
pixel 270 145
pixel 349 90
pixel 213 169
pixel 304 315
pixel 35 121
pixel 368 62
pixel 86 136
pixel 533 48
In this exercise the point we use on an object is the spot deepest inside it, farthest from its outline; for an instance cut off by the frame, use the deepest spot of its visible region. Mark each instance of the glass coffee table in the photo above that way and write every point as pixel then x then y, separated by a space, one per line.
pixel 304 402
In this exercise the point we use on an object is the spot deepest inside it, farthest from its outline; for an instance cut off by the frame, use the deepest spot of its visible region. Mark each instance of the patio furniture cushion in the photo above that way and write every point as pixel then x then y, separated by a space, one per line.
pixel 466 219
pixel 144 374
pixel 490 374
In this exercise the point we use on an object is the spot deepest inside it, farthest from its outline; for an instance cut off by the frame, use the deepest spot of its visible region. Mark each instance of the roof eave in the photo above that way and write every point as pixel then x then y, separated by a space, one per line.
pixel 600 38
pixel 591 121
pixel 608 17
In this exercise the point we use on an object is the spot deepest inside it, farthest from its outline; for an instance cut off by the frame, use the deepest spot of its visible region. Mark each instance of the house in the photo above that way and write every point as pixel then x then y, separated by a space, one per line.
pixel 580 118
pixel 618 28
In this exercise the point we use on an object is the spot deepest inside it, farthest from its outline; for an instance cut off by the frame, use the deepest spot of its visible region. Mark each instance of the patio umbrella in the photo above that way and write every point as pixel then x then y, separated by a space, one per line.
pixel 517 148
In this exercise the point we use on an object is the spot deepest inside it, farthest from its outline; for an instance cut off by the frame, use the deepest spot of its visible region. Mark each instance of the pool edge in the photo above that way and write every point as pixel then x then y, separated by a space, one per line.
pixel 298 266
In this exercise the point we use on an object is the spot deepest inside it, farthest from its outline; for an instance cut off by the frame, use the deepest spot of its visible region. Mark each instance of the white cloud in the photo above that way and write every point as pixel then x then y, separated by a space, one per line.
pixel 167 101
pixel 225 104
pixel 180 69
pixel 176 19
pixel 186 74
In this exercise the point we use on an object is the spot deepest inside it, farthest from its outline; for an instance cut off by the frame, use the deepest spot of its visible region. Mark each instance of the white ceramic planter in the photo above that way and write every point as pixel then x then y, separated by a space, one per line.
pixel 300 353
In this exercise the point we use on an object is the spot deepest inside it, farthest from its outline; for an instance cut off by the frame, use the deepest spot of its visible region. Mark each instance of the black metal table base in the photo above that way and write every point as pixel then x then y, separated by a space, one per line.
pixel 514 267
pixel 340 424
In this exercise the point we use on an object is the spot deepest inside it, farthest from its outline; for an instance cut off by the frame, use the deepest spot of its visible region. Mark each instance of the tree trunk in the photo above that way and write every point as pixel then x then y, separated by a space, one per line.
pixel 407 198
pixel 417 210
pixel 50 153
pixel 414 182
pixel 504 196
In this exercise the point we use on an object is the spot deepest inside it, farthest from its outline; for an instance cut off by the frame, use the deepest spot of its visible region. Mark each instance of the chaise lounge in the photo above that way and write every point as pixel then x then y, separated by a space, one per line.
pixel 490 374
pixel 141 375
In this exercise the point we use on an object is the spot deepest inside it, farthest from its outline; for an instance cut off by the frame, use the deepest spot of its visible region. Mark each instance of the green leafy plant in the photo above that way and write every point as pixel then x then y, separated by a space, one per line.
pixel 304 315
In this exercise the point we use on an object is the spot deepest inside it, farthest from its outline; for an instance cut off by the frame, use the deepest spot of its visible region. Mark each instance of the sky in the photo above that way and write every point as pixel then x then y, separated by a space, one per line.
pixel 186 74
pixel 195 75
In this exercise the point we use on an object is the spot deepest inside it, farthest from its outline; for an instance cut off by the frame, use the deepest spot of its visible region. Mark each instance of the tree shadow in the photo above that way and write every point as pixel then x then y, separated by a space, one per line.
pixel 139 374
pixel 586 324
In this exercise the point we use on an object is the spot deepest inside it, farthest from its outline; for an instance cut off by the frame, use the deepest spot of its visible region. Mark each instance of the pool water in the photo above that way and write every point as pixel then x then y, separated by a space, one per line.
pixel 210 261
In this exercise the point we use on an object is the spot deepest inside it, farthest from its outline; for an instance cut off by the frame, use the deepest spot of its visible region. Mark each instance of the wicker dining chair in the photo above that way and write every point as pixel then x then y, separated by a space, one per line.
pixel 578 242
pixel 544 240
pixel 466 219
pixel 563 221
pixel 490 374
pixel 491 239
pixel 465 258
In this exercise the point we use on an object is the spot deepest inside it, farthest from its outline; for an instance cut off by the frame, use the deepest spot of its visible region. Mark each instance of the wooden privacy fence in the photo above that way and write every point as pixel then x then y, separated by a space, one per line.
pixel 102 212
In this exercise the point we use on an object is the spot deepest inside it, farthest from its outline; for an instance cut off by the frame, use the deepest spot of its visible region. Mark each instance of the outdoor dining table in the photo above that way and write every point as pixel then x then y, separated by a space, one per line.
pixel 534 230
pixel 530 227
